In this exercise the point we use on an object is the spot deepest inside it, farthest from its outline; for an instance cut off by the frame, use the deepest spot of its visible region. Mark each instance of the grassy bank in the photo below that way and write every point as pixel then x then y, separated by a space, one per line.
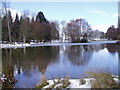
pixel 93 80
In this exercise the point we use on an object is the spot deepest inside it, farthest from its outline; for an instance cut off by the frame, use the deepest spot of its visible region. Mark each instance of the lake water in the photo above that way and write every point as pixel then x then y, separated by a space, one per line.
pixel 27 65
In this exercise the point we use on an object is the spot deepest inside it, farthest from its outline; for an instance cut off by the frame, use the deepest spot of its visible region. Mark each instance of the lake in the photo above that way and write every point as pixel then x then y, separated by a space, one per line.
pixel 28 64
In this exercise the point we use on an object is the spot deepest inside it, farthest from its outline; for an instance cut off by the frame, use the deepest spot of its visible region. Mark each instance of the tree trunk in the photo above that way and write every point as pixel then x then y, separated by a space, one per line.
pixel 9 31
pixel 8 22
pixel 24 39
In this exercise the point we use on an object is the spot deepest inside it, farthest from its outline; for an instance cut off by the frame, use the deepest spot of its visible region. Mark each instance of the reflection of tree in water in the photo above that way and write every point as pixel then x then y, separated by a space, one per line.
pixel 112 48
pixel 80 55
pixel 28 59
pixel 98 47
pixel 40 57
pixel 8 67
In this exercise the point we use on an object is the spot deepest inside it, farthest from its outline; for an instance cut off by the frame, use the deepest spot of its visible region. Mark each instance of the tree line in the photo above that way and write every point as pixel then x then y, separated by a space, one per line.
pixel 113 33
pixel 79 30
pixel 26 29
pixel 39 29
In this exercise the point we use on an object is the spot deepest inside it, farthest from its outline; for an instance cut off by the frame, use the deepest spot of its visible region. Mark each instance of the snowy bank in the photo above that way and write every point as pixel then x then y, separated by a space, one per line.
pixel 14 45
pixel 22 45
pixel 75 83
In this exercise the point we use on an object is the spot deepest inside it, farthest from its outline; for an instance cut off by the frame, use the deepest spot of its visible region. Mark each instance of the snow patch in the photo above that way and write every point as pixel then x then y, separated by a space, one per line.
pixel 22 45
pixel 74 83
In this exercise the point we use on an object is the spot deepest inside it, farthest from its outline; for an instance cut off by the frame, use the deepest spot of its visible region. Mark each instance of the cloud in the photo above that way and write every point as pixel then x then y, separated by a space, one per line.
pixel 100 27
pixel 98 12
pixel 115 15
pixel 64 0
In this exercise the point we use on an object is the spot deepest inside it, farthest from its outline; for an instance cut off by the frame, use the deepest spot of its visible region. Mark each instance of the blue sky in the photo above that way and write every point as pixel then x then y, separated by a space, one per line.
pixel 100 15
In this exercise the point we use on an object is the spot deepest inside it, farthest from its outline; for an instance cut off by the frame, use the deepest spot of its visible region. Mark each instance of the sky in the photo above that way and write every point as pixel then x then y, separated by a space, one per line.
pixel 100 15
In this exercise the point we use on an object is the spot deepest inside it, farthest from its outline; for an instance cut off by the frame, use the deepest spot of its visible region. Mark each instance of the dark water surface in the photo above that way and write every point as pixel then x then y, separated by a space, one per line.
pixel 28 64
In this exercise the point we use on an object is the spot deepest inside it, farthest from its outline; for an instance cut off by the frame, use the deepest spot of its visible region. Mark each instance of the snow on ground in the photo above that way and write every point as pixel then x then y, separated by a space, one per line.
pixel 22 45
pixel 116 80
pixel 14 45
pixel 2 77
pixel 75 83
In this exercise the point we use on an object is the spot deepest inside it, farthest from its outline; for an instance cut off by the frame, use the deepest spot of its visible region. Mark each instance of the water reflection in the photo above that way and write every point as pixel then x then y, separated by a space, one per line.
pixel 16 61
pixel 112 48
pixel 79 55
pixel 27 64
pixel 40 57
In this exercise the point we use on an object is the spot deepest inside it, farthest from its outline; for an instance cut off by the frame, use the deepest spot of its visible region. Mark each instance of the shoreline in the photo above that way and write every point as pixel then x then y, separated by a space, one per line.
pixel 23 45
pixel 75 83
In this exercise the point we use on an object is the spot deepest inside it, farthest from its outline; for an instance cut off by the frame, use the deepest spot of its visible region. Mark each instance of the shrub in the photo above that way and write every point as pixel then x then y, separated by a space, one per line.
pixel 82 81
pixel 102 80
pixel 84 41
pixel 42 83
pixel 65 82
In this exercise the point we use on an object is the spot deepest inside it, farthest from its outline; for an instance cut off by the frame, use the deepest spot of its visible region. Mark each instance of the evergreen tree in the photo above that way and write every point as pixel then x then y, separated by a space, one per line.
pixel 40 17
pixel 16 29
pixel 6 27
pixel 5 35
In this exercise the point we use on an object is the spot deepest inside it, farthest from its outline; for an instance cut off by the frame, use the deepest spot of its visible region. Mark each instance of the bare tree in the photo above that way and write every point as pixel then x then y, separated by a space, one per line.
pixel 63 30
pixel 74 30
pixel 5 6
pixel 24 25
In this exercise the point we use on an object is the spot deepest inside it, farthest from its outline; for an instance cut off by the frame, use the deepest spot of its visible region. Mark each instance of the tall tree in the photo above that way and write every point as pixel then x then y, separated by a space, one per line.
pixel 63 30
pixel 5 35
pixel 6 5
pixel 25 26
pixel 74 30
pixel 111 33
pixel 16 29
pixel 37 33
pixel 43 28
pixel 40 17
pixel 78 28
pixel 54 30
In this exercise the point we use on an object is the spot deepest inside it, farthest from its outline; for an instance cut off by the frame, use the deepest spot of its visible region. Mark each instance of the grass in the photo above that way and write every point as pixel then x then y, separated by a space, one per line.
pixel 63 81
pixel 42 83
pixel 102 80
